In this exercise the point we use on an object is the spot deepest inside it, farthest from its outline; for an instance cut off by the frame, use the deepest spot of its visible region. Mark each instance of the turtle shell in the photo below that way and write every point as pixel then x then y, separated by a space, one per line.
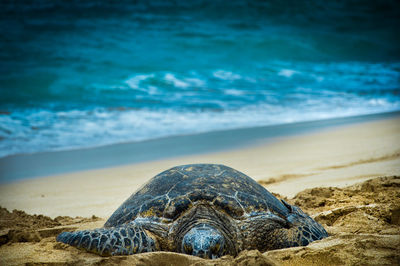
pixel 174 191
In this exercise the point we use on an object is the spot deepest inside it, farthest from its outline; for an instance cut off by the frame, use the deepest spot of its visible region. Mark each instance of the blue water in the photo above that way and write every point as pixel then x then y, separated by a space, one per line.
pixel 87 74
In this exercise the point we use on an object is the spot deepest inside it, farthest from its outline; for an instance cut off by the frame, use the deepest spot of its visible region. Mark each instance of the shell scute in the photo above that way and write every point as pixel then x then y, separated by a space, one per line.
pixel 198 195
pixel 176 207
pixel 229 205
pixel 251 203
pixel 154 207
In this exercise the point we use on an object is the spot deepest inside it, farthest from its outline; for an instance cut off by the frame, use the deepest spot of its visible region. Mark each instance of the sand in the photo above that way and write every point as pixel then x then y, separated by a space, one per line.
pixel 347 177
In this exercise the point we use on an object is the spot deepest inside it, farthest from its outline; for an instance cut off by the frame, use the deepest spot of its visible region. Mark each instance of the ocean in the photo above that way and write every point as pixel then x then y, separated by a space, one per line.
pixel 78 74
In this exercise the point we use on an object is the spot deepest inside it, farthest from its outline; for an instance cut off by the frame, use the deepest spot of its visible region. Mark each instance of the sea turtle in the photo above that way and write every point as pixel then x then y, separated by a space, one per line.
pixel 206 210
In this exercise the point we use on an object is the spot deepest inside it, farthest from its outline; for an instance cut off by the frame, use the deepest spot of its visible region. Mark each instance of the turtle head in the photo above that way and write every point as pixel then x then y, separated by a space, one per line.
pixel 204 241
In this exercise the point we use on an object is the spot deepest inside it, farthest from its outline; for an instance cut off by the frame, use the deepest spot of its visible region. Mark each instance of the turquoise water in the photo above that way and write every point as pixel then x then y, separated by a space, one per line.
pixel 87 74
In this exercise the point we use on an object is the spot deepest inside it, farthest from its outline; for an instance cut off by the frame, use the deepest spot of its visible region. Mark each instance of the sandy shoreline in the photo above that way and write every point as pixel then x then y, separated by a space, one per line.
pixel 339 157
pixel 24 166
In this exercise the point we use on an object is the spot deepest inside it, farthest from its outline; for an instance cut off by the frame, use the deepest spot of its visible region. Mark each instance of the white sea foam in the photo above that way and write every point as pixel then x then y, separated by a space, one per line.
pixel 318 77
pixel 195 82
pixel 287 72
pixel 184 82
pixel 134 82
pixel 378 102
pixel 226 75
pixel 37 131
pixel 152 90
pixel 234 92
pixel 170 78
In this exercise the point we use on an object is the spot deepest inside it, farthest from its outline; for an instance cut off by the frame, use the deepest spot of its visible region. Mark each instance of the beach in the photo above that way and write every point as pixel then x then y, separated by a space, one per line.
pixel 345 175
pixel 97 98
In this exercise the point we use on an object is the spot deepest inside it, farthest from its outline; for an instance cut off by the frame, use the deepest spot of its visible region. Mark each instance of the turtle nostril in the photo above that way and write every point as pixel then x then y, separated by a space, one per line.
pixel 188 249
pixel 215 249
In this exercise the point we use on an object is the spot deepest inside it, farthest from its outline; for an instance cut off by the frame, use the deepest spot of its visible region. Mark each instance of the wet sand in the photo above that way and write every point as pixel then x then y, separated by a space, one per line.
pixel 346 176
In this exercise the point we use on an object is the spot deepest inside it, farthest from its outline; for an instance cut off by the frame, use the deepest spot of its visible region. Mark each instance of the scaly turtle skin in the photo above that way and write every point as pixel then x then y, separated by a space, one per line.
pixel 204 210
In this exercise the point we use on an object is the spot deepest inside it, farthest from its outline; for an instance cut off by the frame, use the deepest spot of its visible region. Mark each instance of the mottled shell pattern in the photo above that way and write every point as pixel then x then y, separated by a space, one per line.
pixel 171 193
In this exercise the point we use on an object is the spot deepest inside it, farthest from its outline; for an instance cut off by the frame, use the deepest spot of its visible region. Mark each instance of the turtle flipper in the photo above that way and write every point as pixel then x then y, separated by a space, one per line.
pixel 126 239
pixel 269 231
pixel 303 229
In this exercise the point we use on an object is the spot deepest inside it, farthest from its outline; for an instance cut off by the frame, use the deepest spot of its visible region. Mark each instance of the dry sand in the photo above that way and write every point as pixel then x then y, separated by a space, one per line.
pixel 324 173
